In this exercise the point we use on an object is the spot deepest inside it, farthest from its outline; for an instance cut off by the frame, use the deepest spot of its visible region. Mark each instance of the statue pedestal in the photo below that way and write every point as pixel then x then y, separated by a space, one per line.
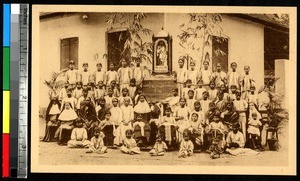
pixel 158 87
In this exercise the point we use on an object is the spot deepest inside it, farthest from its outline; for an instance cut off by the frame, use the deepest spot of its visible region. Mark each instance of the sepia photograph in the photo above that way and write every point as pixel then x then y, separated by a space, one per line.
pixel 163 89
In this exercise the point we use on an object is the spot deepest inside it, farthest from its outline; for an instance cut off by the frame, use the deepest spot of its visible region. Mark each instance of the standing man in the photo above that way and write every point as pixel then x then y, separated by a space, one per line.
pixel 233 77
pixel 124 74
pixel 181 75
pixel 206 74
pixel 219 76
pixel 72 74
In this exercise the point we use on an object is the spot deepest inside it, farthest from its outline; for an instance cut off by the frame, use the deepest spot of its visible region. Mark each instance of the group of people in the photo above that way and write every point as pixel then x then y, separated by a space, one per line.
pixel 211 111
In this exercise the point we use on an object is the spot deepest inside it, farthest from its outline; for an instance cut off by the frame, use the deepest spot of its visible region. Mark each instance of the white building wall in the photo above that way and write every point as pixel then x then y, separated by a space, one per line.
pixel 246 46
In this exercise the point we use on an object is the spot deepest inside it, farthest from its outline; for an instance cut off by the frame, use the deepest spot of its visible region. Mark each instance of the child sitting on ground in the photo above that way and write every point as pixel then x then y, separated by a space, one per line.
pixel 215 149
pixel 254 132
pixel 129 144
pixel 79 138
pixel 97 143
pixel 186 148
pixel 159 147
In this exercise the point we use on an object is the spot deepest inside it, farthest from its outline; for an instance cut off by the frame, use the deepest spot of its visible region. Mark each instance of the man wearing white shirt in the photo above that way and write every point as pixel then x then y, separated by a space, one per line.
pixel 219 76
pixel 206 74
pixel 233 77
pixel 72 74
pixel 181 76
pixel 85 74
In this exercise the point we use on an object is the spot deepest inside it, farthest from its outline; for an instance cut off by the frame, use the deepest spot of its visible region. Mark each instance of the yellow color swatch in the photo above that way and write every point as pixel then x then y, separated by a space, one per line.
pixel 6 111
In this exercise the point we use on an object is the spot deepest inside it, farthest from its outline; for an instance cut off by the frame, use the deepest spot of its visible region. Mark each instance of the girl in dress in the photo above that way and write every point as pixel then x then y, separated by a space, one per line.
pixel 52 122
pixel 182 114
pixel 66 118
pixel 196 130
pixel 116 118
pixel 128 116
pixel 186 148
pixel 97 143
pixel 167 128
pixel 254 131
pixel 79 138
pixel 159 147
pixel 129 144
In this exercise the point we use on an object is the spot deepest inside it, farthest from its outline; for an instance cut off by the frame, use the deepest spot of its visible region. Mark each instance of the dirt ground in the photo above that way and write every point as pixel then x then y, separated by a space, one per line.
pixel 53 154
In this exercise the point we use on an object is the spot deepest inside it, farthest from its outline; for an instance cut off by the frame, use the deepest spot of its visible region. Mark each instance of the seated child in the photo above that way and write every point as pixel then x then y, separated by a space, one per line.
pixel 196 130
pixel 215 149
pixel 216 126
pixel 186 146
pixel 167 127
pixel 159 147
pixel 182 114
pixel 235 139
pixel 108 128
pixel 216 129
pixel 79 138
pixel 97 143
pixel 138 133
pixel 129 144
pixel 254 132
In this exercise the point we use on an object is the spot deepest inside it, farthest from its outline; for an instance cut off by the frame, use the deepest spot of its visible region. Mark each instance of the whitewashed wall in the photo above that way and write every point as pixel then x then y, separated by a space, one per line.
pixel 246 46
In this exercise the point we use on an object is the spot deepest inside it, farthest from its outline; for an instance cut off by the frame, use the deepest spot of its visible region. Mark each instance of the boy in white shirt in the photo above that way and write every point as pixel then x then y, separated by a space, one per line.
pixel 181 76
pixel 72 74
pixel 85 74
pixel 99 75
pixel 125 75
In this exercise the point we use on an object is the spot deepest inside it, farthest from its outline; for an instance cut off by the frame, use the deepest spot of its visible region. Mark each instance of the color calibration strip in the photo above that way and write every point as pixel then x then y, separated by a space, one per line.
pixel 6 92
